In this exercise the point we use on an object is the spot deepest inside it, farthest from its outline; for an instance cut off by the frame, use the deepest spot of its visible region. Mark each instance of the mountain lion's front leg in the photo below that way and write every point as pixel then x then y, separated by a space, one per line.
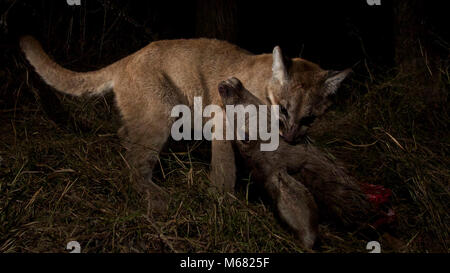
pixel 223 167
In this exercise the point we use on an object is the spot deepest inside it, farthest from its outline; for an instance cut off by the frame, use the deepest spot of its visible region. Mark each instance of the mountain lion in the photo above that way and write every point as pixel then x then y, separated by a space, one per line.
pixel 150 82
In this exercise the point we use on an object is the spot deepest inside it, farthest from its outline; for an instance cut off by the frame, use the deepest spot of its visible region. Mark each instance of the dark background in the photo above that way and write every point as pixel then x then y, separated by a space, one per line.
pixel 334 34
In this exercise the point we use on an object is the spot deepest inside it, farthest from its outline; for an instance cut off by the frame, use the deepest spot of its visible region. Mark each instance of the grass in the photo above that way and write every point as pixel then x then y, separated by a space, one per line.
pixel 63 183
pixel 58 186
pixel 389 137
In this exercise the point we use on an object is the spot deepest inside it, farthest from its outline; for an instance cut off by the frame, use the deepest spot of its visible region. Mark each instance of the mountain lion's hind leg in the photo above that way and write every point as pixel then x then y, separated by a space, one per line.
pixel 145 139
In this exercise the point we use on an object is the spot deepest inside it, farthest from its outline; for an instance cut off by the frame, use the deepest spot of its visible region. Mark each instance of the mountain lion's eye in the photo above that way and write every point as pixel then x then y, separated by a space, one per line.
pixel 306 121
pixel 284 111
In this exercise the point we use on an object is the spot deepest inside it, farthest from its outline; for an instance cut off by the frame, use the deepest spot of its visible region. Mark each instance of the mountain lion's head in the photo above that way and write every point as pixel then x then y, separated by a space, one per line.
pixel 303 90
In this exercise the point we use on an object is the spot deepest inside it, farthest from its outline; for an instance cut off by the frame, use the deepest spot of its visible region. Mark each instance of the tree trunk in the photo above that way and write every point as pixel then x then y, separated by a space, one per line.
pixel 416 53
pixel 217 19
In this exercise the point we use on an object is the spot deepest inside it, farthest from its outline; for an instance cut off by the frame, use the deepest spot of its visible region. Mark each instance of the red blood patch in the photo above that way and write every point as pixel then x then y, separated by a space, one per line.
pixel 376 194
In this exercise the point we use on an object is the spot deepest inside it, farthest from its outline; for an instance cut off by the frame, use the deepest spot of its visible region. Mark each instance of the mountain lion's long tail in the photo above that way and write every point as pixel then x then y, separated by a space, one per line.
pixel 64 80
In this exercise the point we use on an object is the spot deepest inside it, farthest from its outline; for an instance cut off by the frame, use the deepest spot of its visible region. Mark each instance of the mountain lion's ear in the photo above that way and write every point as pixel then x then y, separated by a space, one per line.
pixel 279 71
pixel 334 80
